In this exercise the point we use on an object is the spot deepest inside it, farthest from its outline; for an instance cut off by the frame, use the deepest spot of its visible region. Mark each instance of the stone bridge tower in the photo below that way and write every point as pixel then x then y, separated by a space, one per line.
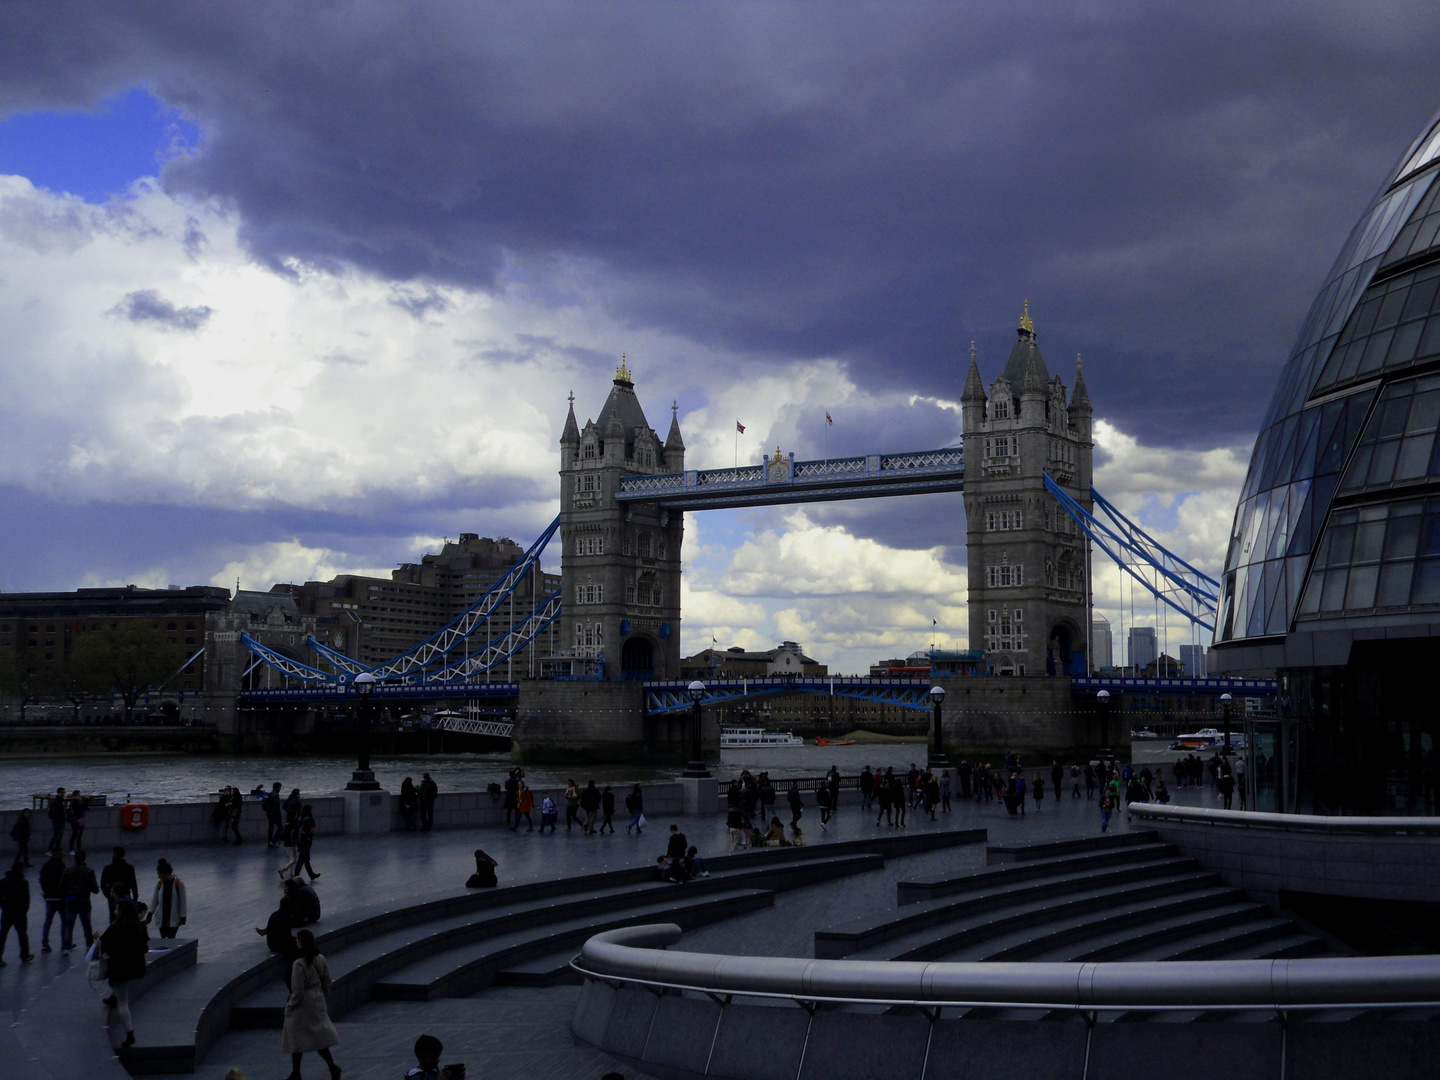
pixel 1028 562
pixel 620 568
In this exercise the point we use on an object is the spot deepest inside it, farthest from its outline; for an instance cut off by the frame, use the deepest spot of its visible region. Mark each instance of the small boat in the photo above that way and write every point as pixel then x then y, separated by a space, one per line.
pixel 1143 733
pixel 834 742
pixel 1197 739
pixel 749 738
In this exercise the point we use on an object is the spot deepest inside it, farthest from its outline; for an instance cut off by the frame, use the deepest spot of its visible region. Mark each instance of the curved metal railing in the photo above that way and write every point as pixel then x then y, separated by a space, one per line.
pixel 1298 823
pixel 636 954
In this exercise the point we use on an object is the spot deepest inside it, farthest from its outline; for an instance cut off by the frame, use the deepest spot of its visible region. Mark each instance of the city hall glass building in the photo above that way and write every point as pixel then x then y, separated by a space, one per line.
pixel 1332 577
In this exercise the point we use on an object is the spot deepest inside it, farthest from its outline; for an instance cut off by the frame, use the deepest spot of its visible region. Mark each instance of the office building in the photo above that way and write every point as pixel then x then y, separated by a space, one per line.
pixel 1143 649
pixel 1102 642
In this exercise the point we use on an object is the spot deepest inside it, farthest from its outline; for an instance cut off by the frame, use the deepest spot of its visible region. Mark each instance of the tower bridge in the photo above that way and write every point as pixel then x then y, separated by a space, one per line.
pixel 1032 521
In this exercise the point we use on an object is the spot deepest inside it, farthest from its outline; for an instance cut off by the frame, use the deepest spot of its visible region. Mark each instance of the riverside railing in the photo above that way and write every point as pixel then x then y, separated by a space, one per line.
pixel 636 955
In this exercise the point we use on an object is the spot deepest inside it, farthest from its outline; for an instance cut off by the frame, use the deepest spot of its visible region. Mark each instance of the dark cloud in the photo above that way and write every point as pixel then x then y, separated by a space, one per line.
pixel 148 306
pixel 1166 183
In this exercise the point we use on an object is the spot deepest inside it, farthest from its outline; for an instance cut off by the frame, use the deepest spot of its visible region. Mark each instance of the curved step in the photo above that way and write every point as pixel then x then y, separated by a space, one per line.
pixel 919 889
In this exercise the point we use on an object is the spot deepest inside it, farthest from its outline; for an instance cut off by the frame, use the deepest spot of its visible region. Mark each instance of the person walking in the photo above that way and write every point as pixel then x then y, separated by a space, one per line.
pixel 590 803
pixel 15 911
pixel 409 803
pixel 932 792
pixel 1039 785
pixel 292 805
pixel 20 833
pixel 512 796
pixel 897 799
pixel 77 885
pixel 867 787
pixel 547 812
pixel 124 944
pixel 307 1019
pixel 735 822
pixel 945 790
pixel 168 901
pixel 55 811
pixel 51 872
pixel 572 802
pixel 607 809
pixel 1107 807
pixel 274 816
pixel 304 841
pixel 1239 781
pixel 797 804
pixel 118 872
pixel 822 800
pixel 429 792
pixel 1089 781
pixel 220 815
pixel 290 839
pixel 1074 783
pixel 635 803
pixel 1019 778
pixel 75 815
pixel 885 796
pixel 523 805
pixel 234 812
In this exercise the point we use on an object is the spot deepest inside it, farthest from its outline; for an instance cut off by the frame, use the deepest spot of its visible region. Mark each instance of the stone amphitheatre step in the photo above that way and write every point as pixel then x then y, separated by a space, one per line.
pixel 552 970
pixel 1007 853
pixel 919 889
pixel 961 930
pixel 358 967
pixel 1131 942
pixel 1242 941
pixel 843 939
pixel 468 969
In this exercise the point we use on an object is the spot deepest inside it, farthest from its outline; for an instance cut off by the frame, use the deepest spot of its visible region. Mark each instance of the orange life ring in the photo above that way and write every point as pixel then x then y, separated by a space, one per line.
pixel 134 816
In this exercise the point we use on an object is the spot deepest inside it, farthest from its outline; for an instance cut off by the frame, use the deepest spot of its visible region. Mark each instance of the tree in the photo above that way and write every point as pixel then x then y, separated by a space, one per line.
pixel 127 660
pixel 21 679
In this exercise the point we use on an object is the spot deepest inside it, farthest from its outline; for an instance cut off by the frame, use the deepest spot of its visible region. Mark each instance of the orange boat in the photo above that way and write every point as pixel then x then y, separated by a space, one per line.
pixel 834 742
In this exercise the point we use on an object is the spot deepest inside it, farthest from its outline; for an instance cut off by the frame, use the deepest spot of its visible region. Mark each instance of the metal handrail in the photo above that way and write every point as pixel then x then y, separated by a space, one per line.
pixel 635 954
pixel 1309 823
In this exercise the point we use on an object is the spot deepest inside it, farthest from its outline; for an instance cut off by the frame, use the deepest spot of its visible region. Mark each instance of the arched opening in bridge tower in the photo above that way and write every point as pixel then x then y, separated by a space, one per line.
pixel 637 659
pixel 1062 657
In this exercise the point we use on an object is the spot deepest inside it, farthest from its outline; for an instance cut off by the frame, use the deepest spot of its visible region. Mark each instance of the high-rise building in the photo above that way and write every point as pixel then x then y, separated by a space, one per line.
pixel 1102 642
pixel 1029 605
pixel 1192 658
pixel 1332 577
pixel 1143 648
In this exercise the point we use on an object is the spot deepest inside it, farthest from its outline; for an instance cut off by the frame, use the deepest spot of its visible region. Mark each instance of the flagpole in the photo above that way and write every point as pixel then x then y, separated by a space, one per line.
pixel 827 432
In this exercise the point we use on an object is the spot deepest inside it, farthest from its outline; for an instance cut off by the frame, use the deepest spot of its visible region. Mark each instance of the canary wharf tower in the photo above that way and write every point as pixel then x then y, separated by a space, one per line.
pixel 1332 576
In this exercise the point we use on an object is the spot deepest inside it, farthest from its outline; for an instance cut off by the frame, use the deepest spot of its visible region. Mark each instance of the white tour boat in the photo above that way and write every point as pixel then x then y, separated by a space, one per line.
pixel 748 737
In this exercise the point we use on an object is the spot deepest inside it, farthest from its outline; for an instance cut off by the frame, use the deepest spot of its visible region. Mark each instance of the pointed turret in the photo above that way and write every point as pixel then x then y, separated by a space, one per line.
pixel 571 435
pixel 674 444
pixel 974 388
pixel 1080 397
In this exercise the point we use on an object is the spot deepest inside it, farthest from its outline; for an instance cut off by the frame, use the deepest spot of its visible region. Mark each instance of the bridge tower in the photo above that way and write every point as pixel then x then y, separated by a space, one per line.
pixel 1029 572
pixel 620 567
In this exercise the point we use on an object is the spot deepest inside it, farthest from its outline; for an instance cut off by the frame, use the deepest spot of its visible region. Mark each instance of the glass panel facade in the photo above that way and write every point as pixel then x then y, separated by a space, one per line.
pixel 1396 324
pixel 1375 557
pixel 1398 446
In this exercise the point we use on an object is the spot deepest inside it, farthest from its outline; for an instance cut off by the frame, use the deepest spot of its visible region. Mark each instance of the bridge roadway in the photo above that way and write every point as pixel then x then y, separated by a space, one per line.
pixel 785 480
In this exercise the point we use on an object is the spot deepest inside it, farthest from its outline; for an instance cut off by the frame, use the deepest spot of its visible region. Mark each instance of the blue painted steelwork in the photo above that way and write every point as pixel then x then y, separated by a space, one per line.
pixel 502 648
pixel 1191 592
pixel 1197 687
pixel 333 693
pixel 667 697
pixel 785 480
pixel 293 669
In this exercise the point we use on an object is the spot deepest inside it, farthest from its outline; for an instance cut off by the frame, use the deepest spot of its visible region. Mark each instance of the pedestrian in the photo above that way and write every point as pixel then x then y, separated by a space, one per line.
pixel 1162 793
pixel 51 872
pixel 884 795
pixel 1039 790
pixel 1225 781
pixel 676 845
pixel 429 792
pixel 945 790
pixel 547 812
pixel 307 1020
pixel 1074 783
pixel 607 809
pixel 409 803
pixel 572 802
pixel 124 944
pixel 512 795
pixel 1019 778
pixel 1057 778
pixel 735 823
pixel 822 800
pixel 168 901
pixel 867 787
pixel 797 804
pixel 220 814
pixel 77 885
pixel 20 833
pixel 290 838
pixel 304 902
pixel 1106 808
pixel 523 805
pixel 767 795
pixel 932 792
pixel 963 773
pixel 1239 782
pixel 304 841
pixel 56 814
pixel 234 812
pixel 427 1054
pixel 635 804
pixel 293 804
pixel 834 781
pixel 278 938
pixel 590 803
pixel 118 872
pixel 274 816
pixel 912 786
pixel 75 815
pixel 484 876
pixel 1089 781
pixel 15 911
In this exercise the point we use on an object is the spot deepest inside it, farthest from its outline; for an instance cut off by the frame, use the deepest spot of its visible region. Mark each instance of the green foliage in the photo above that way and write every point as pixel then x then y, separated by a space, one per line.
pixel 125 660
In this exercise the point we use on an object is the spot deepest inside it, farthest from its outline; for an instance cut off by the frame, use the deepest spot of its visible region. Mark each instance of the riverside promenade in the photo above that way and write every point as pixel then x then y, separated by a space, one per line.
pixel 501 1031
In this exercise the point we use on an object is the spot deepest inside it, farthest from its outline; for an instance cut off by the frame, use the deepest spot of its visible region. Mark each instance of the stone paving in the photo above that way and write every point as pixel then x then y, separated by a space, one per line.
pixel 511 1031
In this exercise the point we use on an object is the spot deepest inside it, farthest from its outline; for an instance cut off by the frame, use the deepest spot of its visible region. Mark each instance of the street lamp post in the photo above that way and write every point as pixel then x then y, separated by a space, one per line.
pixel 363 779
pixel 1102 703
pixel 937 754
pixel 1225 700
pixel 696 768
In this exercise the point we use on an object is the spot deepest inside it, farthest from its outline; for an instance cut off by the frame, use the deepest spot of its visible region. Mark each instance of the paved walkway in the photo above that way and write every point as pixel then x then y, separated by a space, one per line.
pixel 233 889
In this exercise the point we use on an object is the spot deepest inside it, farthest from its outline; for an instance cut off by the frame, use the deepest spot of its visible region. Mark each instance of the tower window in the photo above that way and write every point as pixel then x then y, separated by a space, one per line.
pixel 588 450
pixel 644 544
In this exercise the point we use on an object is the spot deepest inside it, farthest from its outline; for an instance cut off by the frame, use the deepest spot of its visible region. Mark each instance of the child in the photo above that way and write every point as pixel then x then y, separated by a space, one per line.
pixel 427 1053
pixel 547 812
pixel 694 863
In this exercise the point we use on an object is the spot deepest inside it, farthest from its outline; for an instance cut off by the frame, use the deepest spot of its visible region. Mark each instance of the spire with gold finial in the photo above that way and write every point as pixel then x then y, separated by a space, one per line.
pixel 974 388
pixel 1026 323
pixel 622 373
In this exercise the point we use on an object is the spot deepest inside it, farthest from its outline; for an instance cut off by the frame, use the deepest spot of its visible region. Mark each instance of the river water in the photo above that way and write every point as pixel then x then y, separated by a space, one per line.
pixel 159 778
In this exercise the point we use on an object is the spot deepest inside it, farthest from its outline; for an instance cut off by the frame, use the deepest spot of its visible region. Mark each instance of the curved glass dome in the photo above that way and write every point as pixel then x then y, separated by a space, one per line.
pixel 1333 519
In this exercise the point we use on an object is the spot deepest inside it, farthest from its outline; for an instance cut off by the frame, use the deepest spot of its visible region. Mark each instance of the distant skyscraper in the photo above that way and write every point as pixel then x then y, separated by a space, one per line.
pixel 1193 658
pixel 1103 643
pixel 1143 647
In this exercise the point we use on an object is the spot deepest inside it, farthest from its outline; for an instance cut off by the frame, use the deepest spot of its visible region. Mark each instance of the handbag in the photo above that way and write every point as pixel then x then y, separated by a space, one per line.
pixel 99 968
pixel 641 822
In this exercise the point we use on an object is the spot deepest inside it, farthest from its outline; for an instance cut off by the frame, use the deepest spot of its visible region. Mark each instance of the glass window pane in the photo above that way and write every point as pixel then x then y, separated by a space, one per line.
pixel 1402 348
pixel 1375 352
pixel 1430 535
pixel 1390 309
pixel 1400 540
pixel 1430 341
pixel 1425 236
pixel 1414 457
pixel 1365 318
pixel 1393 414
pixel 1382 465
pixel 1427 583
pixel 1424 413
pixel 1369 539
pixel 1361 591
pixel 1359 468
pixel 1333 598
pixel 1311 603
pixel 1421 295
pixel 1394 584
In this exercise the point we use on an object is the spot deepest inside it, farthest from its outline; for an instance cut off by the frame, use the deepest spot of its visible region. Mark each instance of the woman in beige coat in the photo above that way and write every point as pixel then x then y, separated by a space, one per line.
pixel 307 1021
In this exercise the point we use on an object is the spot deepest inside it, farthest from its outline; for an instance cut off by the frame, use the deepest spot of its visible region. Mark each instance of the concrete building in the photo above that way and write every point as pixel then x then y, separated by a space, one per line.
pixel 1192 659
pixel 1144 648
pixel 1028 564
pixel 786 658
pixel 1102 645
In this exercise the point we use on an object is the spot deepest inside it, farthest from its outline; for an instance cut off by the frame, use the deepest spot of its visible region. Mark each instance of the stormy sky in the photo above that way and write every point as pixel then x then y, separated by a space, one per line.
pixel 289 289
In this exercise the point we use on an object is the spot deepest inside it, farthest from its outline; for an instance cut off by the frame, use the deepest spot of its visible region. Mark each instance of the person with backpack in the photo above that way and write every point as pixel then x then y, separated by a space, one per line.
pixel 117 879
